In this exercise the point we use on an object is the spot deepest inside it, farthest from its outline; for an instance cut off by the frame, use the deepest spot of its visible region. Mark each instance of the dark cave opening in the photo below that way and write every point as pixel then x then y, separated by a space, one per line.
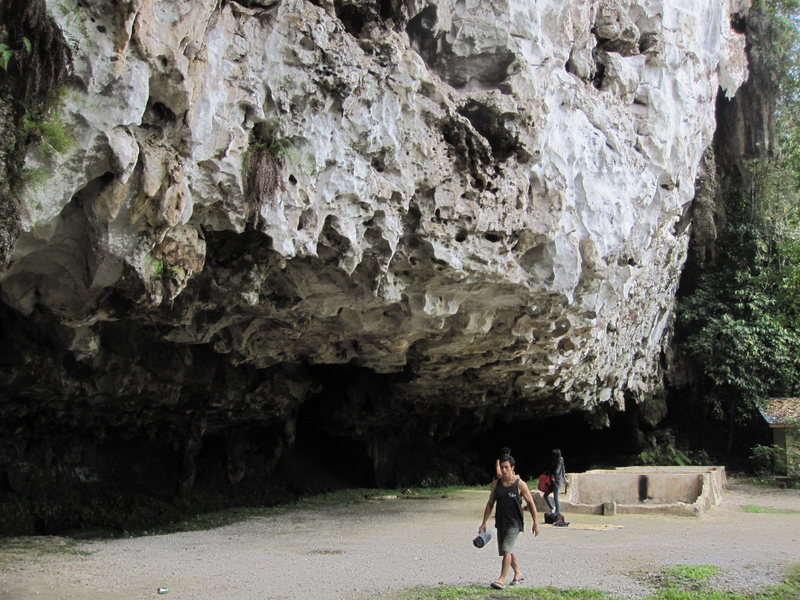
pixel 583 447
pixel 340 459
pixel 345 433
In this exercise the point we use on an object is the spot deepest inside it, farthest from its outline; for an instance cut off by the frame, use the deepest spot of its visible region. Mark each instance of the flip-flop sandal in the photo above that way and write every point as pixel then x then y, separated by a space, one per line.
pixel 497 585
pixel 516 581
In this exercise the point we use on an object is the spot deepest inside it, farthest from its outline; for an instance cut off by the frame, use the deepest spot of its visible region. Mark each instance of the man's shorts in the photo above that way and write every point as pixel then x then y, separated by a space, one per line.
pixel 506 539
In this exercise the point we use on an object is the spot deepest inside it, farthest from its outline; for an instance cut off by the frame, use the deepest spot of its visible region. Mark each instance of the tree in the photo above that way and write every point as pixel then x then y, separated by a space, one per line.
pixel 739 321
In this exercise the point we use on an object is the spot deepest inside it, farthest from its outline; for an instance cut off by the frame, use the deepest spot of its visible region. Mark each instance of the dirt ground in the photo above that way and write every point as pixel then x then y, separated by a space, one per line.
pixel 372 549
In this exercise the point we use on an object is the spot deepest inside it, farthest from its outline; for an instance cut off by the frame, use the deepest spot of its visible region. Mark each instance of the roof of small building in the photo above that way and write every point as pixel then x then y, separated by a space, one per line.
pixel 781 411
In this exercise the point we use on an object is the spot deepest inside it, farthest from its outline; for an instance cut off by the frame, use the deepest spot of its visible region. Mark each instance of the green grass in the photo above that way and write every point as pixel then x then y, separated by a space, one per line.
pixel 687 576
pixel 486 593
pixel 16 548
pixel 754 508
pixel 679 582
pixel 767 481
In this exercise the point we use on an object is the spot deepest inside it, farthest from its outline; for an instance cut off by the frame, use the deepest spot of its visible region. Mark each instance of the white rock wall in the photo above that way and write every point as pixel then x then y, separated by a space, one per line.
pixel 491 195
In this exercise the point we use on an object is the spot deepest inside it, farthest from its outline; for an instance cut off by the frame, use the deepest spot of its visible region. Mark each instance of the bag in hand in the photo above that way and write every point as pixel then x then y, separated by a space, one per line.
pixel 482 539
pixel 545 483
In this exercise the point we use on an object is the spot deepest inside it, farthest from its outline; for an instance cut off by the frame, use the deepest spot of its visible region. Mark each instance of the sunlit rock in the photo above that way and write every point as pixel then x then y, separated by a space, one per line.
pixel 484 203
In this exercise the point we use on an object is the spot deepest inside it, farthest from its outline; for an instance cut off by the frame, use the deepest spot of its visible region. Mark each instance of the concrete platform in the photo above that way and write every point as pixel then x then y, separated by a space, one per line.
pixel 684 491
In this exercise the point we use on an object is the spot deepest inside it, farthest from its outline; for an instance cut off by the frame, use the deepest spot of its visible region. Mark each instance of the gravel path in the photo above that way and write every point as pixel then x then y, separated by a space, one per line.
pixel 372 549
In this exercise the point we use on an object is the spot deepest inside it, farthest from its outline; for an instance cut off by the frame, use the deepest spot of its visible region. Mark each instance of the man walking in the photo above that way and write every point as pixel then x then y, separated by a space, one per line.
pixel 508 519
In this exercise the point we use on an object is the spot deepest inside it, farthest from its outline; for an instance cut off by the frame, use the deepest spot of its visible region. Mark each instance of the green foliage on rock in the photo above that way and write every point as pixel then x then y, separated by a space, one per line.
pixel 39 59
pixel 48 132
pixel 263 163
pixel 35 62
pixel 7 53
pixel 5 56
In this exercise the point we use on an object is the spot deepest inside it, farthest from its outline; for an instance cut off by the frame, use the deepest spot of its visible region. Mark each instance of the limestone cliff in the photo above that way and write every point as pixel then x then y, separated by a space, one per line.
pixel 416 209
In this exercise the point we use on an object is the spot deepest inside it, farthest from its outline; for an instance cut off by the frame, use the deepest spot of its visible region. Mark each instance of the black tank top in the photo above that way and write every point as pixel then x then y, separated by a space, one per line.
pixel 508 510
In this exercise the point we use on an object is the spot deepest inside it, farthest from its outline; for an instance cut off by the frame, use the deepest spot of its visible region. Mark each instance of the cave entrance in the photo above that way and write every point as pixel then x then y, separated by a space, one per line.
pixel 335 457
pixel 532 439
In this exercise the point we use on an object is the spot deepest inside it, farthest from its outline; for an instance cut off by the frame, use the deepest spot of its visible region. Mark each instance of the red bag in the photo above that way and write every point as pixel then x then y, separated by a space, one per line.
pixel 545 483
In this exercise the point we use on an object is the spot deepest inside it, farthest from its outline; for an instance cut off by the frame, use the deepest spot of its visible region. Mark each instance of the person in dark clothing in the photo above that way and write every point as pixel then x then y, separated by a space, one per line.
pixel 507 492
pixel 558 472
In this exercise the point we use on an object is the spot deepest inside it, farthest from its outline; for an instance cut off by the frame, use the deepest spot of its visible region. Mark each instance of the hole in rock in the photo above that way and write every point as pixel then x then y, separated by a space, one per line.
pixel 379 162
pixel 351 17
pixel 490 123
pixel 738 23
pixel 163 112
pixel 647 41
pixel 420 32
pixel 599 74
pixel 386 9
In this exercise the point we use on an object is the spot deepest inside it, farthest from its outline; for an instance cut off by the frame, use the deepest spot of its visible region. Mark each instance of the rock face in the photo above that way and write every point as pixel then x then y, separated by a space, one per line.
pixel 411 211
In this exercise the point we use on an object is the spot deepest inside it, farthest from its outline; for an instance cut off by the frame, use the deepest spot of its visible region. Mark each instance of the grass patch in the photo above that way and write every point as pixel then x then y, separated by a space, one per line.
pixel 486 593
pixel 688 576
pixel 25 548
pixel 754 508
pixel 681 583
pixel 213 520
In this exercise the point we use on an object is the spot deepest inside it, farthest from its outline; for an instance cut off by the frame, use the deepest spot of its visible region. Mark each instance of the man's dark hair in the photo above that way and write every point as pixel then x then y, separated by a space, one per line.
pixel 505 451
pixel 507 458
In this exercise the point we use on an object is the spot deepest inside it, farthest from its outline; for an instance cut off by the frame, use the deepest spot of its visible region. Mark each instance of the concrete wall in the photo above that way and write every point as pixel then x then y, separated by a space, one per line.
pixel 632 488
pixel 793 451
pixel 788 439
pixel 675 490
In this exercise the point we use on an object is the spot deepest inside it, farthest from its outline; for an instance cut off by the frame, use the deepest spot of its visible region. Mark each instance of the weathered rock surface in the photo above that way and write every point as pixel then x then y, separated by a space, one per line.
pixel 466 205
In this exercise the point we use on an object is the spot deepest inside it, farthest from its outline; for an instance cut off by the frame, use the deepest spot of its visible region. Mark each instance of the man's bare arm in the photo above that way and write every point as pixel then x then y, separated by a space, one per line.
pixel 528 497
pixel 487 512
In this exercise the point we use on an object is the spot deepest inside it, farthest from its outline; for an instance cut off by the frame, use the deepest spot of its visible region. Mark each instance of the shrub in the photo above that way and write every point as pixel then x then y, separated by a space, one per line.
pixel 767 461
